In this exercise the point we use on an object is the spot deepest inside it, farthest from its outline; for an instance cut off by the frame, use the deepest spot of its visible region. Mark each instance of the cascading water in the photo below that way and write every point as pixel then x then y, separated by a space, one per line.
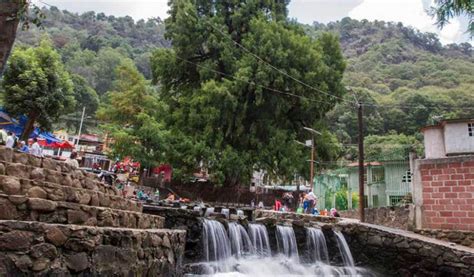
pixel 227 253
pixel 260 242
pixel 316 245
pixel 286 242
pixel 239 240
pixel 216 243
pixel 209 211
pixel 344 249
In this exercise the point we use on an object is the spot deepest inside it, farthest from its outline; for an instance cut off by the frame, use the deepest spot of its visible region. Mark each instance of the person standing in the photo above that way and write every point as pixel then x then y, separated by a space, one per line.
pixel 10 140
pixel 36 149
pixel 72 160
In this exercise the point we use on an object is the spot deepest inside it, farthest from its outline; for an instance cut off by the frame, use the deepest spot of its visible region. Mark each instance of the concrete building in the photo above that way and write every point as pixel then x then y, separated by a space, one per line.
pixel 449 138
pixel 444 179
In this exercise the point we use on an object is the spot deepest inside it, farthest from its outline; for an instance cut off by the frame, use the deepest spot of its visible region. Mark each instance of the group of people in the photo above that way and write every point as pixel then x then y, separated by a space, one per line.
pixel 306 204
pixel 10 140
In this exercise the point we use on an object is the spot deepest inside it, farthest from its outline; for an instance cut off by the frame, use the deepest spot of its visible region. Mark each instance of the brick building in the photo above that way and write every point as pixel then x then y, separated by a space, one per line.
pixel 444 180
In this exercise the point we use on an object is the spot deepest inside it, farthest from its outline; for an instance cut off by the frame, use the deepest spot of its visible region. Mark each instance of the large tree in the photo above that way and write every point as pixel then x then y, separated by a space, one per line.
pixel 37 86
pixel 229 110
pixel 8 25
pixel 132 113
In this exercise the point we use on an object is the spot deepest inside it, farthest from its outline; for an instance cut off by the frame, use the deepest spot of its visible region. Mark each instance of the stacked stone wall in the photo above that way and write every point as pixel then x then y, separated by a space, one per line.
pixel 465 238
pixel 63 250
pixel 448 193
pixel 395 217
pixel 56 220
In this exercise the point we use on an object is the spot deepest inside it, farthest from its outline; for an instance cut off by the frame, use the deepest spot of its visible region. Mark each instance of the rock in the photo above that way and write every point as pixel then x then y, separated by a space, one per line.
pixel 2 169
pixel 16 240
pixel 66 180
pixel 55 236
pixel 84 198
pixel 17 199
pixel 40 264
pixel 6 154
pixel 21 158
pixel 46 250
pixel 17 170
pixel 23 262
pixel 7 210
pixel 51 164
pixel 77 262
pixel 42 204
pixel 10 185
pixel 166 241
pixel 34 161
pixel 375 240
pixel 37 174
pixel 57 195
pixel 94 199
pixel 104 200
pixel 53 176
pixel 76 183
pixel 76 217
pixel 37 192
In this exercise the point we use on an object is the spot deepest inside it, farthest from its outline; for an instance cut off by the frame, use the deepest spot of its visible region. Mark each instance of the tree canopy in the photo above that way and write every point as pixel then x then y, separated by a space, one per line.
pixel 36 85
pixel 233 111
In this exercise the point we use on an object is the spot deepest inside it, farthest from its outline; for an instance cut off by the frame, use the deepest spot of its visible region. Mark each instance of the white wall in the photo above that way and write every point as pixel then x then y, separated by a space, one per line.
pixel 434 143
pixel 457 139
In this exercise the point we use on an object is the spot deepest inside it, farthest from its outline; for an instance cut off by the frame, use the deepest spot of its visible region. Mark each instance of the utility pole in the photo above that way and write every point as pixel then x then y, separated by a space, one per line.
pixel 312 161
pixel 80 126
pixel 361 162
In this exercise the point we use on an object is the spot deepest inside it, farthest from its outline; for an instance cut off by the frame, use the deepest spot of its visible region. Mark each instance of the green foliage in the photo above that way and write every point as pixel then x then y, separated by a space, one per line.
pixel 132 115
pixel 235 122
pixel 36 85
pixel 390 147
pixel 445 10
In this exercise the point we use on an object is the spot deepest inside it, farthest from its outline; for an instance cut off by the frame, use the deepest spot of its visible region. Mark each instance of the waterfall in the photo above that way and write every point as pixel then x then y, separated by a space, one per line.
pixel 286 242
pixel 225 212
pixel 344 249
pixel 316 244
pixel 216 245
pixel 259 237
pixel 239 239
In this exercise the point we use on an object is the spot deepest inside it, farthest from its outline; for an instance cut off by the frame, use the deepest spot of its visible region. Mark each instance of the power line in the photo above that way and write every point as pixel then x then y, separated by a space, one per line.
pixel 270 65
pixel 253 83
pixel 416 106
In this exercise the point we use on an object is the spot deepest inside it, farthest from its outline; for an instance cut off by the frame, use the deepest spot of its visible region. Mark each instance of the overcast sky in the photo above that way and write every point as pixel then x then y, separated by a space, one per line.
pixel 409 12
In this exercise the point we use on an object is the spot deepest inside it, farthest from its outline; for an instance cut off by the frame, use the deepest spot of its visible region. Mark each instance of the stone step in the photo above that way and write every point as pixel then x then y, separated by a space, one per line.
pixel 76 178
pixel 42 249
pixel 17 207
pixel 42 189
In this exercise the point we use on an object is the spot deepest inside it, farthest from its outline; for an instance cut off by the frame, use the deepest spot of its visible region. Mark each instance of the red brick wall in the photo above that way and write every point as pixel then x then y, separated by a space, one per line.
pixel 448 195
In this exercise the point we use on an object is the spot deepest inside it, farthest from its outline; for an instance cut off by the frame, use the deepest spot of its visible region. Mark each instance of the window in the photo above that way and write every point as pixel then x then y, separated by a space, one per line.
pixel 394 200
pixel 470 129
pixel 407 177
pixel 378 174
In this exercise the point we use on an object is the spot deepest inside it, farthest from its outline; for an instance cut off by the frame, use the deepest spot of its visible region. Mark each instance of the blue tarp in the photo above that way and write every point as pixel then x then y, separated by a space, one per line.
pixel 17 129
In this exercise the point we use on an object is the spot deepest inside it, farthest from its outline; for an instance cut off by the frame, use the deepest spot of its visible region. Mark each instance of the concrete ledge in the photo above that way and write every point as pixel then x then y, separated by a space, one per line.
pixel 39 249
pixel 293 216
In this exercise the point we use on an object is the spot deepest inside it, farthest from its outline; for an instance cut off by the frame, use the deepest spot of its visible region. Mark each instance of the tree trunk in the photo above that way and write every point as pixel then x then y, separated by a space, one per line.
pixel 30 125
pixel 8 25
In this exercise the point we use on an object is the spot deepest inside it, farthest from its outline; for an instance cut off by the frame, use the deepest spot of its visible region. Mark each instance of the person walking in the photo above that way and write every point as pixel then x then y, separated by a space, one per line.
pixel 10 142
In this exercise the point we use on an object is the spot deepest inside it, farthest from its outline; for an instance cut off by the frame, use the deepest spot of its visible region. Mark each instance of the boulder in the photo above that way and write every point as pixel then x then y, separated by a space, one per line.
pixel 40 264
pixel 17 170
pixel 37 192
pixel 37 174
pixel 55 236
pixel 16 240
pixel 10 185
pixel 77 262
pixel 21 158
pixel 46 250
pixel 76 217
pixel 2 169
pixel 42 204
pixel 34 161
pixel 7 210
pixel 6 154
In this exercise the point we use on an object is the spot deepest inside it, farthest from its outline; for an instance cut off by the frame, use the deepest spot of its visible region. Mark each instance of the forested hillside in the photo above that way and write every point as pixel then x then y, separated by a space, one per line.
pixel 406 78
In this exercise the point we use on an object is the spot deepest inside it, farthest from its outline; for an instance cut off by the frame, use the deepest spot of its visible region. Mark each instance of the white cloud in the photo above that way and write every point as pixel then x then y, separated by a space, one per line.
pixel 409 12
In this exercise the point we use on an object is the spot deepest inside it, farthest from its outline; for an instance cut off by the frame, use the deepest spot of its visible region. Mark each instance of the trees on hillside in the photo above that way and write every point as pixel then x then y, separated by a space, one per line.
pixel 36 85
pixel 232 110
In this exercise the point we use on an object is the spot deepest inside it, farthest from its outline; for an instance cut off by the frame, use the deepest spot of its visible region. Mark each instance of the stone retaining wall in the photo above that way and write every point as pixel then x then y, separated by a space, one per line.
pixel 465 238
pixel 401 253
pixel 65 250
pixel 189 220
pixel 36 209
pixel 395 217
